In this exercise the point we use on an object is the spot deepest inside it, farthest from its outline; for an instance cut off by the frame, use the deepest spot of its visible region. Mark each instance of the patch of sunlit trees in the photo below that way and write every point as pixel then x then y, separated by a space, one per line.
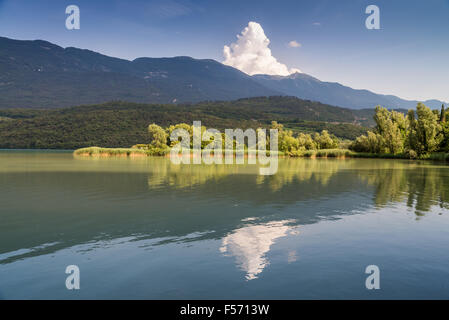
pixel 416 134
pixel 289 143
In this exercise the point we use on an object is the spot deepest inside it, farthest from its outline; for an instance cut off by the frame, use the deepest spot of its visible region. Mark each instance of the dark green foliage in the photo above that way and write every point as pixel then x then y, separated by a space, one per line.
pixel 442 114
pixel 444 146
pixel 342 130
pixel 122 124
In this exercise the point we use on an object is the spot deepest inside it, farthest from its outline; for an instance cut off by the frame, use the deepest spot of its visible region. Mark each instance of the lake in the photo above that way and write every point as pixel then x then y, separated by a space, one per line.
pixel 145 228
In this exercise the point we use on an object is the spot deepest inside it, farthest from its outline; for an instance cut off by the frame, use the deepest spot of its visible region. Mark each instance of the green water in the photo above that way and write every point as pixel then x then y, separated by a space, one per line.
pixel 149 229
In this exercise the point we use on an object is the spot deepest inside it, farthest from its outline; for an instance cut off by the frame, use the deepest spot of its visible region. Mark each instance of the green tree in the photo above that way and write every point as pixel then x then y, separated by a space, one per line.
pixel 442 114
pixel 325 141
pixel 158 136
pixel 286 142
pixel 391 126
pixel 412 143
pixel 360 144
pixel 372 143
pixel 444 145
pixel 306 142
pixel 189 129
pixel 425 133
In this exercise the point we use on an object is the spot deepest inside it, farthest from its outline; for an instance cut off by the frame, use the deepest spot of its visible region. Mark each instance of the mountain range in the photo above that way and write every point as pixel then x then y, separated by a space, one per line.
pixel 39 74
pixel 305 86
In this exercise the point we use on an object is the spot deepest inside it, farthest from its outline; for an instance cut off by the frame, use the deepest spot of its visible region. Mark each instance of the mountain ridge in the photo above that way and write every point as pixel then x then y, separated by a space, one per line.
pixel 305 86
pixel 40 74
pixel 37 73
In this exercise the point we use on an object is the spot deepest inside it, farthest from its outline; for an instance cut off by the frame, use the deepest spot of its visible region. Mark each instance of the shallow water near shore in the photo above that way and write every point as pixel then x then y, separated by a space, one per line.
pixel 145 228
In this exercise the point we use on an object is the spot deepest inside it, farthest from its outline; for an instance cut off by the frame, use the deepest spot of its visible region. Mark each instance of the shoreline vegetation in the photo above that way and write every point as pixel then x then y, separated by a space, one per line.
pixel 324 153
pixel 395 136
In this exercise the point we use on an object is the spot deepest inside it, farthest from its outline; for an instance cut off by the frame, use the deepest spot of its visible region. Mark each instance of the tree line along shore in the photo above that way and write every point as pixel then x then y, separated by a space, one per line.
pixel 420 134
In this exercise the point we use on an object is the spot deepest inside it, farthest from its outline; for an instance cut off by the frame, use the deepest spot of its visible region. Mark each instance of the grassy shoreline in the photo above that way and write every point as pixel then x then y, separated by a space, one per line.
pixel 98 151
pixel 324 153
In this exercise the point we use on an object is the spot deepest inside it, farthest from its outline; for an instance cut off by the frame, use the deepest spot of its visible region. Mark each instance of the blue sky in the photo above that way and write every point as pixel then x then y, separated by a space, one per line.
pixel 408 56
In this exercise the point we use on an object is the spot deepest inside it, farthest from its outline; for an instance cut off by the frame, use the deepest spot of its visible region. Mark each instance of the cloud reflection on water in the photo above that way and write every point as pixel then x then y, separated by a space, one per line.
pixel 250 245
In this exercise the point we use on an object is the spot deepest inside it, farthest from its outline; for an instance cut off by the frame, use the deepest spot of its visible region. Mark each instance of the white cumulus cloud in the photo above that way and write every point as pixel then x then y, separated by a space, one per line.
pixel 251 54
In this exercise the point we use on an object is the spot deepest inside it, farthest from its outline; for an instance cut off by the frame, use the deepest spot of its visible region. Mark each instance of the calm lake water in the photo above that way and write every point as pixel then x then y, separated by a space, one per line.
pixel 145 228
